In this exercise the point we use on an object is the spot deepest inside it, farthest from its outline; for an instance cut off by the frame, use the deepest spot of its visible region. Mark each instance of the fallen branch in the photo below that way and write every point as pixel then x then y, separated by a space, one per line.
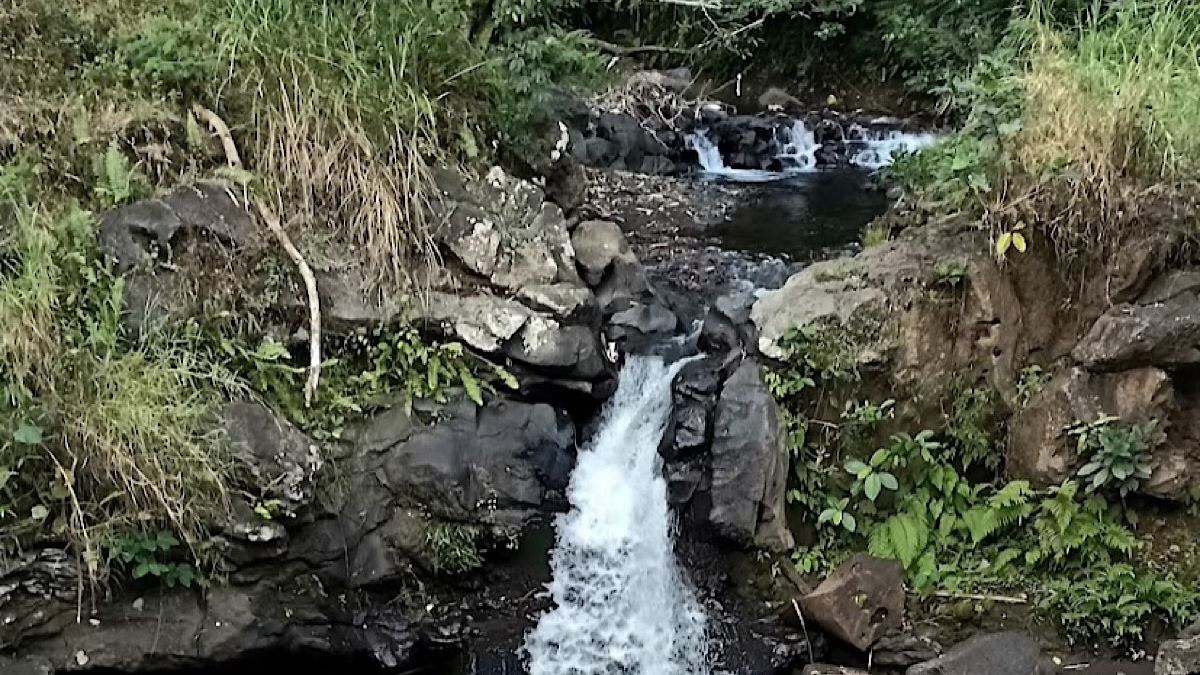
pixel 221 129
pixel 1006 599
pixel 622 50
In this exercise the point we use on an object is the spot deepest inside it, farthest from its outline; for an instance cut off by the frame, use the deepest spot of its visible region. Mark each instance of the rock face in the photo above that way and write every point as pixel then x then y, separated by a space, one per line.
pixel 1039 449
pixel 990 654
pixel 1164 334
pixel 861 601
pixel 749 463
pixel 1178 657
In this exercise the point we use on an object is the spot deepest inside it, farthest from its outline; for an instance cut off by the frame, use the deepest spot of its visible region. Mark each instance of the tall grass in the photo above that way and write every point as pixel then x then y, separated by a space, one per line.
pixel 99 436
pixel 350 103
pixel 1112 115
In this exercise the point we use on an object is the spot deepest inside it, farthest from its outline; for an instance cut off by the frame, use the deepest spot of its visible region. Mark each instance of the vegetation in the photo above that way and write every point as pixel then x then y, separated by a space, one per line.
pixel 453 547
pixel 932 500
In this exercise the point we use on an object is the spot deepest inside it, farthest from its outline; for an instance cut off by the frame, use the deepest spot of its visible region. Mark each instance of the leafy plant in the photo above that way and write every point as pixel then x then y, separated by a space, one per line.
pixel 974 425
pixel 148 554
pixel 1032 380
pixel 117 181
pixel 836 514
pixel 876 234
pixel 1116 603
pixel 1012 238
pixel 1118 454
pixel 869 478
pixel 950 274
pixel 453 547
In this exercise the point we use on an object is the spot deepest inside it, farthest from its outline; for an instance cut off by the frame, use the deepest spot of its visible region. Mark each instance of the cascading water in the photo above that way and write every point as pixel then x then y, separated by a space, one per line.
pixel 880 147
pixel 622 605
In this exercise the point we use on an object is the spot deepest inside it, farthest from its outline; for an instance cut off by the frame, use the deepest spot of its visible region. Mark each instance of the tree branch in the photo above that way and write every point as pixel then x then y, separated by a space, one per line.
pixel 268 216
pixel 622 50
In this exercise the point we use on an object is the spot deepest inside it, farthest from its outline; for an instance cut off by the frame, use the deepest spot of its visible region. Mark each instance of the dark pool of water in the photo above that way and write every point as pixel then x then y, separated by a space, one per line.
pixel 804 217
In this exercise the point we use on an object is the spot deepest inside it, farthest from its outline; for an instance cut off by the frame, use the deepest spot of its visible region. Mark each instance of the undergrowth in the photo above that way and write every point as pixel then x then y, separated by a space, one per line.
pixel 932 500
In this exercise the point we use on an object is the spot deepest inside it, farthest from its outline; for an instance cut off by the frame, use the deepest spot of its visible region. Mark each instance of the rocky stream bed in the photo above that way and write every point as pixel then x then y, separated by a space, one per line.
pixel 562 281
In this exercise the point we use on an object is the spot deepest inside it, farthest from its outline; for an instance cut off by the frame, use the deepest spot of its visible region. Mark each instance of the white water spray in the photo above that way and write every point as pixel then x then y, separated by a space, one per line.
pixel 881 147
pixel 622 606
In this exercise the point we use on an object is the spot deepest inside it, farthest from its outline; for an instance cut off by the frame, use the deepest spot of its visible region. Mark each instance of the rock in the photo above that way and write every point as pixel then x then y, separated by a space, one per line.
pixel 646 319
pixel 1039 449
pixel 624 285
pixel 823 669
pixel 1163 334
pixel 484 322
pixel 572 350
pixel 900 650
pixel 597 243
pixel 281 461
pixel 989 654
pixel 822 291
pixel 657 165
pixel 494 463
pixel 775 98
pixel 749 464
pixel 1178 657
pixel 564 301
pixel 694 397
pixel 1167 286
pixel 503 229
pixel 861 601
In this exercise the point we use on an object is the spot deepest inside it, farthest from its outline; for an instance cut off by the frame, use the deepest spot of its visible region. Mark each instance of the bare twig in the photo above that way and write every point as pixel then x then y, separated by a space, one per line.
pixel 622 50
pixel 268 216
pixel 1006 599
pixel 804 627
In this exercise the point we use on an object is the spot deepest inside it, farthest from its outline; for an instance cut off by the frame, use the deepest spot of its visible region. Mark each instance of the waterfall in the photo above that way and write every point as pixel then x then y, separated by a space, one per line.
pixel 714 165
pixel 799 151
pixel 881 145
pixel 622 605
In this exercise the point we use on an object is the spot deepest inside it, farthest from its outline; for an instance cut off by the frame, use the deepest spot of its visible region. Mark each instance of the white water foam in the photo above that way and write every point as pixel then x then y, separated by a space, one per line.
pixel 798 150
pixel 881 147
pixel 622 605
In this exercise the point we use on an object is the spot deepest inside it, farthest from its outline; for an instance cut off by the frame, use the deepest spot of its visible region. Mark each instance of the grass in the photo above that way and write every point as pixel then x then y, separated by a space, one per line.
pixel 1111 112
pixel 99 435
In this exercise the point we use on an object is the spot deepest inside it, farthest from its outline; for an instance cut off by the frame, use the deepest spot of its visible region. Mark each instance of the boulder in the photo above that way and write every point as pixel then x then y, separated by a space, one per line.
pixel 597 243
pixel 484 322
pixel 281 462
pixel 749 463
pixel 573 351
pixel 694 397
pixel 563 301
pixel 491 464
pixel 624 285
pixel 901 650
pixel 1178 657
pixel 861 601
pixel 646 319
pixel 1039 449
pixel 504 230
pixel 1164 334
pixel 989 654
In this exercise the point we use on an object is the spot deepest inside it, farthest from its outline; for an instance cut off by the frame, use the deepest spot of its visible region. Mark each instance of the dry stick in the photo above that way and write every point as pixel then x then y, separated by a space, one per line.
pixel 1007 599
pixel 310 281
pixel 803 627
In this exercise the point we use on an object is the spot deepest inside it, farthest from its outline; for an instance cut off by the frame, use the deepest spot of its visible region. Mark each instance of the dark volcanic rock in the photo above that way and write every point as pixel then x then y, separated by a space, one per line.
pixel 861 601
pixel 1178 657
pixel 498 460
pixel 694 397
pixel 990 654
pixel 749 463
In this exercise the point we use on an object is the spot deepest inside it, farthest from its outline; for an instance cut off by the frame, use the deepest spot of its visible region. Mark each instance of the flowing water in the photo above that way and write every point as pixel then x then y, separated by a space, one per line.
pixel 622 604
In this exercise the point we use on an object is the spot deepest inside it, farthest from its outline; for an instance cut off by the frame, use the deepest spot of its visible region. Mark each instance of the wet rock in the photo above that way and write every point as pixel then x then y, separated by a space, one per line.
pixel 1178 657
pixel 647 319
pixel 494 463
pixel 280 460
pixel 597 243
pixel 989 654
pixel 1039 449
pixel 624 285
pixel 749 464
pixel 1163 334
pixel 657 165
pixel 900 650
pixel 694 397
pixel 776 99
pixel 861 601
pixel 573 351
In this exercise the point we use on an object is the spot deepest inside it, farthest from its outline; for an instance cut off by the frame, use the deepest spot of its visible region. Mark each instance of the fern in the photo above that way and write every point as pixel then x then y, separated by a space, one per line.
pixel 117 182
pixel 902 538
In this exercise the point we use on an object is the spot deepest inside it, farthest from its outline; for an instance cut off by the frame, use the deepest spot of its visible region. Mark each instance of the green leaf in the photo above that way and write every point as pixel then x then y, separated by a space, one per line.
pixel 872 486
pixel 471 385
pixel 39 512
pixel 849 522
pixel 28 434
pixel 889 481
pixel 856 467
pixel 879 457
pixel 826 516
pixel 142 569
pixel 1003 243
pixel 1018 241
